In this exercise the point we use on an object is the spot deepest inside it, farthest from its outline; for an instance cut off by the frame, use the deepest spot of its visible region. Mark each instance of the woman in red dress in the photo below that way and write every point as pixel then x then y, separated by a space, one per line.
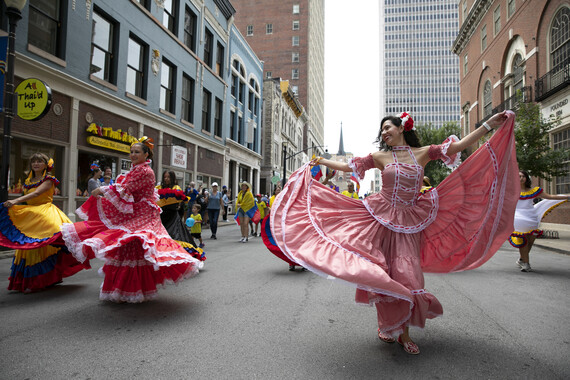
pixel 122 227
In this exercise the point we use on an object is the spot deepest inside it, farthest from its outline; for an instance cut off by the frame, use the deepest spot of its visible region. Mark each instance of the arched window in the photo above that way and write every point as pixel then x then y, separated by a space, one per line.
pixel 560 39
pixel 518 73
pixel 487 99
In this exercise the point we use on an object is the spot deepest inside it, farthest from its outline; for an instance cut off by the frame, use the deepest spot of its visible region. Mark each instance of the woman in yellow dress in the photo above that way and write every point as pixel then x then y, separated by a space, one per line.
pixel 32 227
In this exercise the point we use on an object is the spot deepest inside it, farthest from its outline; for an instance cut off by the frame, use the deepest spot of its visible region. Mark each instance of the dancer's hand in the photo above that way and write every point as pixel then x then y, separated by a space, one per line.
pixel 315 161
pixel 97 192
pixel 497 119
pixel 8 204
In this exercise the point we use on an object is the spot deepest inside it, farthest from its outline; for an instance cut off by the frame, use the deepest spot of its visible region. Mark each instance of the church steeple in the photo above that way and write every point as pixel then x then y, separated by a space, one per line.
pixel 341 151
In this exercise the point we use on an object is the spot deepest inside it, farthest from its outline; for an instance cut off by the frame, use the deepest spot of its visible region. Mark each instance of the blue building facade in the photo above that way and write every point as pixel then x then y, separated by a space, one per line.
pixel 120 70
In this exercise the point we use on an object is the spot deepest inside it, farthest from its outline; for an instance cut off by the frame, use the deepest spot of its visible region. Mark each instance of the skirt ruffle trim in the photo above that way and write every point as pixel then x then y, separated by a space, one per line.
pixel 12 237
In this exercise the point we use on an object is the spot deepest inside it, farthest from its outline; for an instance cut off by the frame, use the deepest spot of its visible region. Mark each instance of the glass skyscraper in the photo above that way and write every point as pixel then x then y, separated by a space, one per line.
pixel 418 72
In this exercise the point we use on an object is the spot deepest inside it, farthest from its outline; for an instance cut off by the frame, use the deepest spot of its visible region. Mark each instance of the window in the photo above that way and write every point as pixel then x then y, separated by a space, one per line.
pixel 206 99
pixel 464 10
pixel 218 118
pixel 233 125
pixel 167 79
pixel 144 3
pixel 560 40
pixel 295 74
pixel 240 130
pixel 136 68
pixel 484 37
pixel 187 99
pixel 250 101
pixel 518 73
pixel 295 90
pixel 465 65
pixel 250 30
pixel 190 29
pixel 296 9
pixel 294 57
pixel 208 45
pixel 497 19
pixel 234 85
pixel 487 99
pixel 561 141
pixel 102 49
pixel 269 29
pixel 169 15
pixel 268 74
pixel 219 59
pixel 44 26
pixel 295 41
pixel 241 91
pixel 295 25
pixel 511 7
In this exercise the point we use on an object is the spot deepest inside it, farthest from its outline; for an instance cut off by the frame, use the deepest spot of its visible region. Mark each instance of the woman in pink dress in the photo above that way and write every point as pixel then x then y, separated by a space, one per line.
pixel 124 229
pixel 396 235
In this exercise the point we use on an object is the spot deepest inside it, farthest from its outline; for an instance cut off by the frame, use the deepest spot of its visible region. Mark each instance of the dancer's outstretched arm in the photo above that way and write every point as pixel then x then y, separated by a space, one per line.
pixel 494 122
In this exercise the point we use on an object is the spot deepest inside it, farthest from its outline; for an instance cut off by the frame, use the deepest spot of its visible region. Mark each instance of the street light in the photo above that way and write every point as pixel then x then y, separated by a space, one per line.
pixel 285 158
pixel 14 13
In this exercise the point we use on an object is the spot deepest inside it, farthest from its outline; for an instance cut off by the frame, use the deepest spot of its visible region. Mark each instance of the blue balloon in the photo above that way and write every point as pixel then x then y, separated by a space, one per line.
pixel 190 222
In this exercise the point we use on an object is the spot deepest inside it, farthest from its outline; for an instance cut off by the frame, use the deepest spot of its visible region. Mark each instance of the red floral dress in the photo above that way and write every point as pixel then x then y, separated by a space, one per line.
pixel 124 229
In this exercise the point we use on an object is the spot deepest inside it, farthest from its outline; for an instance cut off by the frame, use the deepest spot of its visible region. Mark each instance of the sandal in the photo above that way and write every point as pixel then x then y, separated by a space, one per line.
pixel 410 347
pixel 385 338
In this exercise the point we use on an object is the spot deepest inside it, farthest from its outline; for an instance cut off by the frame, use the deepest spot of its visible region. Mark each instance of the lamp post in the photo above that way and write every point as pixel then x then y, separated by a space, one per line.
pixel 14 13
pixel 285 158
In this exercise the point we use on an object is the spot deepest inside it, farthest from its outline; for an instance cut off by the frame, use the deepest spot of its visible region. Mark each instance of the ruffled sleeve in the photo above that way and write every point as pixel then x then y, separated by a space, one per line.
pixel 360 165
pixel 121 193
pixel 439 152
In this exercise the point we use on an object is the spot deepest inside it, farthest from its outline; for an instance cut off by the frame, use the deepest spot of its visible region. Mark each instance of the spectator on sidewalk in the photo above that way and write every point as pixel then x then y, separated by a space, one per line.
pixel 215 204
pixel 226 201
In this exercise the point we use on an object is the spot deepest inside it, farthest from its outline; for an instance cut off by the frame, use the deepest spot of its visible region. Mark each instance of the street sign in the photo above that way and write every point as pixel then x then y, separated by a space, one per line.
pixel 275 179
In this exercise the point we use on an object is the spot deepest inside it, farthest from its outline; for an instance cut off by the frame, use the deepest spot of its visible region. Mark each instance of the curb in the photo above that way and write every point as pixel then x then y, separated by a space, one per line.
pixel 549 248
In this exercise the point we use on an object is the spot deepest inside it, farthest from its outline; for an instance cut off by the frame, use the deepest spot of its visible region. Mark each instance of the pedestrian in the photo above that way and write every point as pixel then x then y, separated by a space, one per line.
pixel 94 178
pixel 226 201
pixel 191 193
pixel 107 172
pixel 350 191
pixel 384 243
pixel 106 181
pixel 246 210
pixel 171 200
pixel 30 228
pixel 196 229
pixel 528 217
pixel 215 204
pixel 202 200
pixel 262 207
pixel 123 228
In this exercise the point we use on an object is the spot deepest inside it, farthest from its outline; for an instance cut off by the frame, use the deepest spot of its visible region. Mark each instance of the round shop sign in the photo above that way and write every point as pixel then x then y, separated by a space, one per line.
pixel 34 99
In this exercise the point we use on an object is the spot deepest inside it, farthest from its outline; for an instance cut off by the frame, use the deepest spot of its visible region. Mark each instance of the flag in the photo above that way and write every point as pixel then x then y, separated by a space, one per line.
pixel 317 172
pixel 354 177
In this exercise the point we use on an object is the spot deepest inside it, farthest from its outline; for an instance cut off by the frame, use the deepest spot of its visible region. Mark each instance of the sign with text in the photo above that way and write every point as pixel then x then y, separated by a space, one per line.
pixel 34 99
pixel 178 156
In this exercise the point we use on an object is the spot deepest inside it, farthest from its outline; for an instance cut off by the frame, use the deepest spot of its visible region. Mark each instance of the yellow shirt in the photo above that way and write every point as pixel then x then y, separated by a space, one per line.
pixel 353 195
pixel 261 206
pixel 197 227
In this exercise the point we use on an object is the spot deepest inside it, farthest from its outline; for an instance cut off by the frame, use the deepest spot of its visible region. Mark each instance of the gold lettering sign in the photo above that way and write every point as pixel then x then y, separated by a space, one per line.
pixel 109 133
pixel 97 141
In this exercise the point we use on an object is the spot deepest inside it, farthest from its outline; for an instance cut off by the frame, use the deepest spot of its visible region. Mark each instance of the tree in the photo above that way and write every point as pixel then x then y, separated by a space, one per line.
pixel 534 153
pixel 428 135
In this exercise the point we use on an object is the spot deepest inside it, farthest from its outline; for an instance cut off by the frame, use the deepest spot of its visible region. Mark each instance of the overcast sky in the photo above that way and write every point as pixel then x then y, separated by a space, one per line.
pixel 352 76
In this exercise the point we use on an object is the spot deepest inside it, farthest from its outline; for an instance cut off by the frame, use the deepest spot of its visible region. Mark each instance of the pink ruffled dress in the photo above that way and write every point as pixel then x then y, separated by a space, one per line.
pixel 124 229
pixel 382 245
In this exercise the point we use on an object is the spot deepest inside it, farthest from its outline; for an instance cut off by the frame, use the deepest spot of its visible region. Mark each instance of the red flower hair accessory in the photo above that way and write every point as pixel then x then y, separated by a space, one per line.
pixel 407 121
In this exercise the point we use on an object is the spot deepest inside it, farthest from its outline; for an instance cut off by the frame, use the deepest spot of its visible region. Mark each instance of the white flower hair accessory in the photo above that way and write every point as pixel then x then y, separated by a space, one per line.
pixel 407 121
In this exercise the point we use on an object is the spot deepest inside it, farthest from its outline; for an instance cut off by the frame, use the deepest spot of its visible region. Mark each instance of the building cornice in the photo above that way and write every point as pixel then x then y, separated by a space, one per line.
pixel 226 7
pixel 478 10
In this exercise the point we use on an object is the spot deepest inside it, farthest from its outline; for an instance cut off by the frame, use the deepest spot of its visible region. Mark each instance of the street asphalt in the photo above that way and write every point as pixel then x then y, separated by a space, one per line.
pixel 245 316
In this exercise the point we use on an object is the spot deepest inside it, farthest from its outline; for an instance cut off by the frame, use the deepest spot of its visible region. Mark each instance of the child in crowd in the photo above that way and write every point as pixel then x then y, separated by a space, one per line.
pixel 261 206
pixel 196 229
pixel 106 180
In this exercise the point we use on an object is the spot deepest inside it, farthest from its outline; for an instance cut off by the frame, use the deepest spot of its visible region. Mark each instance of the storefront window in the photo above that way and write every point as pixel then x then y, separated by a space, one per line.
pixel 84 169
pixel 21 151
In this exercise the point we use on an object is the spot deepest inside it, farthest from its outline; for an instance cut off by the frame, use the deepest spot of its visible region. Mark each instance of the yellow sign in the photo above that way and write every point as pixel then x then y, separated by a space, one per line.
pixel 34 99
pixel 108 132
pixel 97 141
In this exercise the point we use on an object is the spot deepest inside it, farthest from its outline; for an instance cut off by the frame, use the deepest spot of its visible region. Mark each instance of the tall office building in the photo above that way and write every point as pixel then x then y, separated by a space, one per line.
pixel 288 36
pixel 418 72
